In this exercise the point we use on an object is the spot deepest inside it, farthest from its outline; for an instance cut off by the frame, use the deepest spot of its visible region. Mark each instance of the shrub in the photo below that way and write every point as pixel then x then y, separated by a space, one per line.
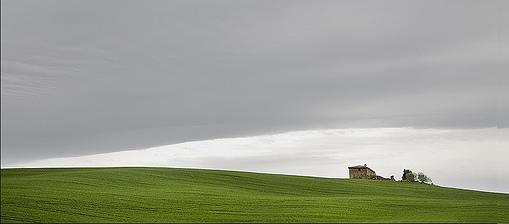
pixel 421 177
pixel 408 175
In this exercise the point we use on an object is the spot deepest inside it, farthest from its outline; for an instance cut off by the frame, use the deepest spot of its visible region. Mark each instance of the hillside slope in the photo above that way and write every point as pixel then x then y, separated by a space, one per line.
pixel 190 195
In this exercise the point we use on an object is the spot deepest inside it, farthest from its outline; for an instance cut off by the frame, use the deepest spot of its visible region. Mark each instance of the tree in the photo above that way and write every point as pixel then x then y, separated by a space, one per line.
pixel 421 177
pixel 408 175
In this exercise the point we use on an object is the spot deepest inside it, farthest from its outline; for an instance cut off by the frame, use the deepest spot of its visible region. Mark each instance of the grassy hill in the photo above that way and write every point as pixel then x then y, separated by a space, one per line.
pixel 190 195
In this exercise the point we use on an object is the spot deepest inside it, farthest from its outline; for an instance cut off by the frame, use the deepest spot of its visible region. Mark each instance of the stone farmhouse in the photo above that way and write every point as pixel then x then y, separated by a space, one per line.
pixel 364 172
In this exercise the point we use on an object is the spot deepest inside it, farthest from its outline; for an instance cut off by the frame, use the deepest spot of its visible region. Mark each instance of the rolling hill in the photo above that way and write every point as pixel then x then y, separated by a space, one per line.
pixel 192 195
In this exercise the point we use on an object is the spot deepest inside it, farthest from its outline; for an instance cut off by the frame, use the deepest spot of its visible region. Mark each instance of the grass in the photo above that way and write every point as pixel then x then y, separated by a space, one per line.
pixel 191 195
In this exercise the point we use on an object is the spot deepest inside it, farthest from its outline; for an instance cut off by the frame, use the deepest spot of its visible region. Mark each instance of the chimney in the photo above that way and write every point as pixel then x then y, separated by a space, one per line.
pixel 365 165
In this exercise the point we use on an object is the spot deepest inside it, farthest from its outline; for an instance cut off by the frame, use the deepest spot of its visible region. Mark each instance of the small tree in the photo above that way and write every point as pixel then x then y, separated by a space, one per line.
pixel 408 175
pixel 421 177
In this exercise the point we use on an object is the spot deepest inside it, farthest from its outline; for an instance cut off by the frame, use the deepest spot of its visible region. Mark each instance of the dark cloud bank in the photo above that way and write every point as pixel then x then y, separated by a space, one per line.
pixel 83 77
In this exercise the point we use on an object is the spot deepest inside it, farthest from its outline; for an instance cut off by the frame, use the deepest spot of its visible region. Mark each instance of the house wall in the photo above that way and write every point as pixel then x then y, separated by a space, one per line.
pixel 361 173
pixel 370 173
pixel 357 173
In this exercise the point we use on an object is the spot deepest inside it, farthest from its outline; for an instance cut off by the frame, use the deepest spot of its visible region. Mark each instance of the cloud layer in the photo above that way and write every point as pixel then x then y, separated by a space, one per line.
pixel 473 158
pixel 86 77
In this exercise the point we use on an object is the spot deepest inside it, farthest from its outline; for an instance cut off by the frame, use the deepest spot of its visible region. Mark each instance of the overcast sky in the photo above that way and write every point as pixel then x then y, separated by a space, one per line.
pixel 82 77
pixel 465 158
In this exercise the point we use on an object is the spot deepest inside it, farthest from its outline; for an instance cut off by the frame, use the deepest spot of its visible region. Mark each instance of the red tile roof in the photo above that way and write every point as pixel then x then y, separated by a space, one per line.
pixel 360 167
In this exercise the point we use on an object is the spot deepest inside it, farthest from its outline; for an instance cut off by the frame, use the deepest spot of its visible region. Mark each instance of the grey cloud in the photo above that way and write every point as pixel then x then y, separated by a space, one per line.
pixel 83 77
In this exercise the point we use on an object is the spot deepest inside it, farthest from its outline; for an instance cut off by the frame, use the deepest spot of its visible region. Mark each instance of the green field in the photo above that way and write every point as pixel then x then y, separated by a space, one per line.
pixel 191 195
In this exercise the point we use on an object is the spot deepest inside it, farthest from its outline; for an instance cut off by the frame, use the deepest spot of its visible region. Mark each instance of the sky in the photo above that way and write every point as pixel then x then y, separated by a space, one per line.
pixel 328 153
pixel 123 79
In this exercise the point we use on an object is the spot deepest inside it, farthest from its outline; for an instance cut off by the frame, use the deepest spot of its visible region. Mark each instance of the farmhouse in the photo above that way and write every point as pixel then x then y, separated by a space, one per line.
pixel 364 172
pixel 361 172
